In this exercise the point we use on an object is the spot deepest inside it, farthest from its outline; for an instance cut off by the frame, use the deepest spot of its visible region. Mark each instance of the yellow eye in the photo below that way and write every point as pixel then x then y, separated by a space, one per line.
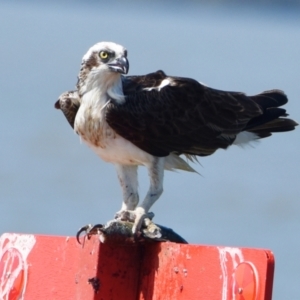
pixel 103 54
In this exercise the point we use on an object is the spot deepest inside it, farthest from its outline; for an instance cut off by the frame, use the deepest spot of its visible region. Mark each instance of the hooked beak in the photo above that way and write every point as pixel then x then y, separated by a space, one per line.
pixel 120 65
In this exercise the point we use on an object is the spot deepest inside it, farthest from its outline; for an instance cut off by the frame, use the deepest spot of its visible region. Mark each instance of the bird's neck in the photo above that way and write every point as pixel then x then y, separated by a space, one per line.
pixel 95 94
pixel 115 91
pixel 100 87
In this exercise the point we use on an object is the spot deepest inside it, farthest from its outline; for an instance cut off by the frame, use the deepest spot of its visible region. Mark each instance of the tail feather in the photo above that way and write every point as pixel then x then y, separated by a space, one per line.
pixel 268 115
pixel 272 98
pixel 277 125
pixel 273 118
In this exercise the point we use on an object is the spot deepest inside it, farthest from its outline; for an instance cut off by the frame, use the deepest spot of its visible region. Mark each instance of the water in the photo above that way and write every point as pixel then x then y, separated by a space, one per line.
pixel 51 184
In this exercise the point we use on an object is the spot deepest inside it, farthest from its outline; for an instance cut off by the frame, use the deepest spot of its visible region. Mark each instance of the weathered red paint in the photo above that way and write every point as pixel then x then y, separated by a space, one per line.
pixel 174 271
pixel 60 268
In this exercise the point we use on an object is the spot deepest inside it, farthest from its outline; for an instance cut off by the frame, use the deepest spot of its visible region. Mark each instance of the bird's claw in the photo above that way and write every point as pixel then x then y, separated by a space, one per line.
pixel 140 219
pixel 89 230
pixel 117 231
pixel 139 222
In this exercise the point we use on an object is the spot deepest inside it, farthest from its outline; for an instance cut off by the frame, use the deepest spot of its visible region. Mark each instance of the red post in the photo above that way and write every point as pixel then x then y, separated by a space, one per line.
pixel 52 267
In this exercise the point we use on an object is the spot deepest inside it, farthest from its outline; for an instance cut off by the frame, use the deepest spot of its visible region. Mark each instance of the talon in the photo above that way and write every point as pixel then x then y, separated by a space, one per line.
pixel 150 215
pixel 141 220
pixel 89 230
pixel 85 228
pixel 138 217
pixel 95 229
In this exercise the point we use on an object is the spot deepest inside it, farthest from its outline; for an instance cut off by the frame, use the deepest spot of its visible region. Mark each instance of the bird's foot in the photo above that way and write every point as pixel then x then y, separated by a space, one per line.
pixel 138 217
pixel 89 230
pixel 117 231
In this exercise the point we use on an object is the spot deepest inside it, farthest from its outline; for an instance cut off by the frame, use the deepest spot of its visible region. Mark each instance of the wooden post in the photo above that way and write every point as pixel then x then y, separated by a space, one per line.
pixel 56 267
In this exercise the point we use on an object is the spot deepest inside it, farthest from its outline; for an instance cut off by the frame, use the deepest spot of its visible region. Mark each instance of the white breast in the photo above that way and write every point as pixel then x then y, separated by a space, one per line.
pixel 90 124
pixel 89 121
pixel 121 151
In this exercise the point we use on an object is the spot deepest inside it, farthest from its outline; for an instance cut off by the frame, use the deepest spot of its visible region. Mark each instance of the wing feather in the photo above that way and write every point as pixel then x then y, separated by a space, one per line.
pixel 69 103
pixel 183 116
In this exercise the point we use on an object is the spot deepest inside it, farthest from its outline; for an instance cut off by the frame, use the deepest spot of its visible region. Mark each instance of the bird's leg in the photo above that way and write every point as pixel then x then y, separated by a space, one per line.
pixel 128 180
pixel 129 183
pixel 156 175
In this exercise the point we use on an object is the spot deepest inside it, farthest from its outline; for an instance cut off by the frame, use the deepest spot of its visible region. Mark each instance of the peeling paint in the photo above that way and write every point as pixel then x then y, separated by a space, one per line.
pixel 236 256
pixel 14 250
pixel 240 277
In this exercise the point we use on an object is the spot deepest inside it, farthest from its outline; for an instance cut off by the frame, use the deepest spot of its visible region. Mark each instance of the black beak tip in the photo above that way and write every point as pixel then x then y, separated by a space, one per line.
pixel 57 104
pixel 120 65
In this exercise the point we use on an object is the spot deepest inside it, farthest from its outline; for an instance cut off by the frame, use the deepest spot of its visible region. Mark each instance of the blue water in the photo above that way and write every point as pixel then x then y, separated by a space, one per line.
pixel 52 184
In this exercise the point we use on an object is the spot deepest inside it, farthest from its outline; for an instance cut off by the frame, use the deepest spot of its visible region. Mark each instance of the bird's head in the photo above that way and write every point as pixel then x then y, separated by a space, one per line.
pixel 103 64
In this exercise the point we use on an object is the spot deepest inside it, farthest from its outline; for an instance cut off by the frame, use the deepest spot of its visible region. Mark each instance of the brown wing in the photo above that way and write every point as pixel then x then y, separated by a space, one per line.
pixel 69 103
pixel 185 116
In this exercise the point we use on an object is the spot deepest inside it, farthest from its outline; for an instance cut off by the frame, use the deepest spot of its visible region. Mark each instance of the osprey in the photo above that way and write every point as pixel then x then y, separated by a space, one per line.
pixel 152 120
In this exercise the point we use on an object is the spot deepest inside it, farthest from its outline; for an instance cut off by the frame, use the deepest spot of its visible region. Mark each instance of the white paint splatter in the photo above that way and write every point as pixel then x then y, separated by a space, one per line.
pixel 236 258
pixel 15 246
